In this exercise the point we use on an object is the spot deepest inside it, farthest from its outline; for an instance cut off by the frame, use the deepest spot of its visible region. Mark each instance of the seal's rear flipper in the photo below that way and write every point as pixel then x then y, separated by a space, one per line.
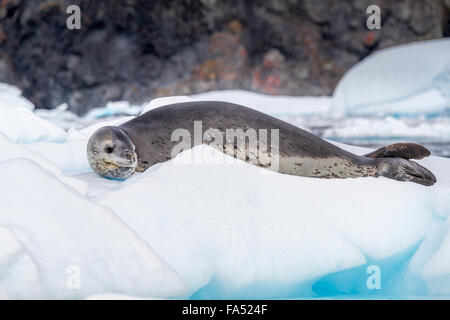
pixel 406 170
pixel 400 150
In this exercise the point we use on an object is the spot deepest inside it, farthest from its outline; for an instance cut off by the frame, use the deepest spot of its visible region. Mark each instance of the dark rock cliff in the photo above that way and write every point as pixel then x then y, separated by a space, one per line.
pixel 139 49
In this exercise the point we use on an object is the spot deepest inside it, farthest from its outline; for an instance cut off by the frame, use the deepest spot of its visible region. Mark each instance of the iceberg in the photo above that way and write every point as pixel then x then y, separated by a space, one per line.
pixel 432 259
pixel 19 123
pixel 236 231
pixel 12 96
pixel 62 245
pixel 10 150
pixel 22 125
pixel 408 80
pixel 204 225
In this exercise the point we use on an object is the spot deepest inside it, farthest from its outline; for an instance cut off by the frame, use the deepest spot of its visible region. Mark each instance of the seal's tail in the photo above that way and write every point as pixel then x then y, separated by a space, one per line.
pixel 406 170
pixel 400 150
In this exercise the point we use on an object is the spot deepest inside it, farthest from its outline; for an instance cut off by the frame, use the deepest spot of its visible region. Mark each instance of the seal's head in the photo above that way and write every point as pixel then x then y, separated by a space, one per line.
pixel 111 153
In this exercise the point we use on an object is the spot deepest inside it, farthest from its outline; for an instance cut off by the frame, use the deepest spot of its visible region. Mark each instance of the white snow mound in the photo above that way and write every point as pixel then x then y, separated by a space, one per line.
pixel 263 235
pixel 411 79
pixel 22 125
pixel 71 247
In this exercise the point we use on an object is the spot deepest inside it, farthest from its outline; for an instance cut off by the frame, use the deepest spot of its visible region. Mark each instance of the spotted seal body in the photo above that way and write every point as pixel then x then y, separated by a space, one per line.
pixel 135 145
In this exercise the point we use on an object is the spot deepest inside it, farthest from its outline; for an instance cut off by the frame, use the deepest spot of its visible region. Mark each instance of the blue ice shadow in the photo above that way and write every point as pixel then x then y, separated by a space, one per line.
pixel 396 280
pixel 395 277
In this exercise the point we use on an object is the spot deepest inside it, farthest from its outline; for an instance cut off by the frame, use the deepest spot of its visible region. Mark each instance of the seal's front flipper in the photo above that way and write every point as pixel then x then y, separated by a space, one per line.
pixel 406 170
pixel 400 150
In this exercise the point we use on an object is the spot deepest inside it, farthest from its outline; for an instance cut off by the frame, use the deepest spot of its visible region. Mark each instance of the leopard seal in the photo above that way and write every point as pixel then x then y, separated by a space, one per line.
pixel 119 151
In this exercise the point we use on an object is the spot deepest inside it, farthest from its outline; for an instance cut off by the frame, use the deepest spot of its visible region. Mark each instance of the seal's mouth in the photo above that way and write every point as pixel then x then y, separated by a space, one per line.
pixel 118 165
pixel 116 170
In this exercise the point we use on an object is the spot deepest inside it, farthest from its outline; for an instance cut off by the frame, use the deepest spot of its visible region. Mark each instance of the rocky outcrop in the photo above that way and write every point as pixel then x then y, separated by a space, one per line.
pixel 139 49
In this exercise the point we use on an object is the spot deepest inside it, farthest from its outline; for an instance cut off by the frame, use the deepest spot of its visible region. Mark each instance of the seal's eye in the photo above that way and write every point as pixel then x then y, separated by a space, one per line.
pixel 109 149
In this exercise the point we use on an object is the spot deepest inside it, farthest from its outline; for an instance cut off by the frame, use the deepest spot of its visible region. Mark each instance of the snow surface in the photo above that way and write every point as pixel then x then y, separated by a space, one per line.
pixel 257 235
pixel 411 79
pixel 215 228
pixel 58 228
